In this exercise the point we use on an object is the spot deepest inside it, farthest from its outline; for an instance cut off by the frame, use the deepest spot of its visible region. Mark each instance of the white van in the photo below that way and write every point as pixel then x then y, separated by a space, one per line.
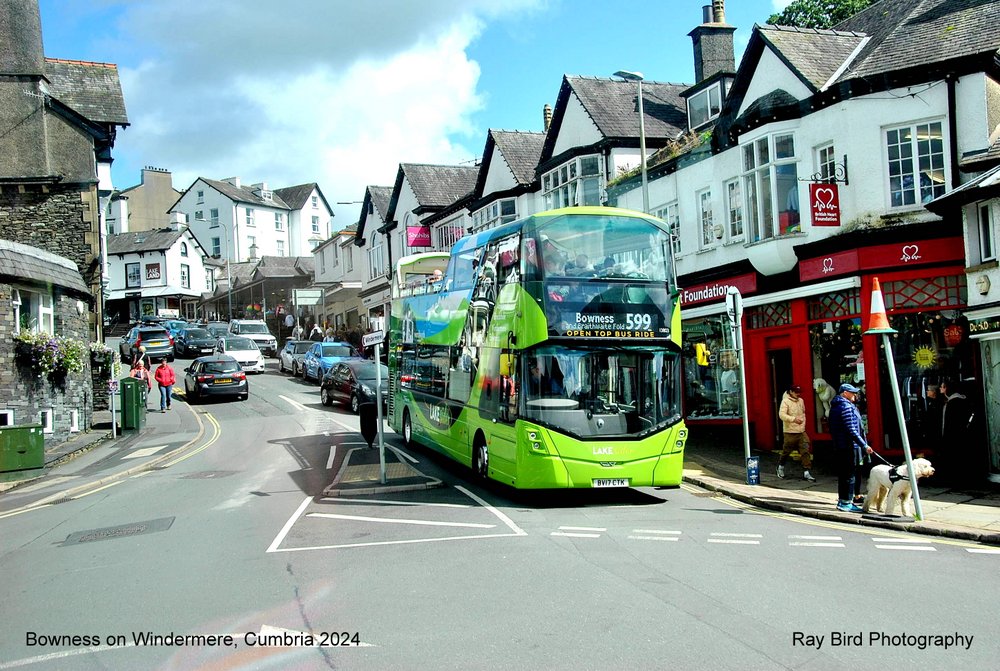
pixel 256 330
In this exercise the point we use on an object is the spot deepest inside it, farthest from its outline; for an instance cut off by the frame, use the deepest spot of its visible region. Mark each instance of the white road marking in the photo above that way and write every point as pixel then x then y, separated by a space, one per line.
pixel 386 520
pixel 144 452
pixel 503 518
pixel 402 454
pixel 142 474
pixel 63 654
pixel 583 528
pixel 984 551
pixel 809 544
pixel 725 535
pixel 403 542
pixel 817 538
pixel 656 531
pixel 653 538
pixel 733 541
pixel 24 510
pixel 294 404
pixel 288 525
pixel 879 539
pixel 574 535
pixel 915 548
pixel 333 455
pixel 337 499
pixel 99 489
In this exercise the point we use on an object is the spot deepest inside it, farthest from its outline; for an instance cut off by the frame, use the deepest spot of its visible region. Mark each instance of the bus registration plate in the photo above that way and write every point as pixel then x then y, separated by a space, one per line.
pixel 610 482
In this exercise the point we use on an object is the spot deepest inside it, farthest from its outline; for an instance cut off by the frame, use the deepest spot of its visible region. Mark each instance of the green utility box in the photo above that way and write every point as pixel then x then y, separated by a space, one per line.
pixel 22 448
pixel 133 393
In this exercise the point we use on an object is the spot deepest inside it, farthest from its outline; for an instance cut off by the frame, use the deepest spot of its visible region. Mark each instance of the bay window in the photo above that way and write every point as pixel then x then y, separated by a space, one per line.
pixel 770 185
pixel 33 311
pixel 577 182
pixel 915 157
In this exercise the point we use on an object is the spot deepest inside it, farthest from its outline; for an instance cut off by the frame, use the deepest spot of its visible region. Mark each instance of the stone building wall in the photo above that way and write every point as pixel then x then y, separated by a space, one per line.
pixel 27 393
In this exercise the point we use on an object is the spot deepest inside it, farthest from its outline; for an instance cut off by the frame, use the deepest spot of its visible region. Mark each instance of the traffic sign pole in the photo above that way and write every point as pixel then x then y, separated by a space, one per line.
pixel 376 338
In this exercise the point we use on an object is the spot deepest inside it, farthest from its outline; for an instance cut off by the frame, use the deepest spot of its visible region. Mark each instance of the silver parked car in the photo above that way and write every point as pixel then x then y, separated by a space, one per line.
pixel 290 356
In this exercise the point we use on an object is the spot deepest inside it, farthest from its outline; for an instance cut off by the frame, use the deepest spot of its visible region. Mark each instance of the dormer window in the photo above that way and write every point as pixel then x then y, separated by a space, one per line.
pixel 704 106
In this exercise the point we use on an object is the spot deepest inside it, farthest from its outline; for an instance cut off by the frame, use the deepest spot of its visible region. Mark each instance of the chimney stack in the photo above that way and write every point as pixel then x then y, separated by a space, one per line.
pixel 546 117
pixel 713 43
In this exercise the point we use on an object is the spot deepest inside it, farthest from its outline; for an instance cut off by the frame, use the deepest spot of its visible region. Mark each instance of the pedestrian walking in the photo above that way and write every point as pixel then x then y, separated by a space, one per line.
pixel 166 379
pixel 140 372
pixel 317 333
pixel 792 414
pixel 141 357
pixel 850 445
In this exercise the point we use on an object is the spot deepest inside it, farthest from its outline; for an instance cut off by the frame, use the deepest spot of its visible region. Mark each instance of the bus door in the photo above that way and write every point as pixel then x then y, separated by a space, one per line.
pixel 497 405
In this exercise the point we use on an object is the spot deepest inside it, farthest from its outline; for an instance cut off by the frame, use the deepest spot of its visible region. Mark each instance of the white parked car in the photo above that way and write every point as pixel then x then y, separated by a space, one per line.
pixel 256 330
pixel 244 350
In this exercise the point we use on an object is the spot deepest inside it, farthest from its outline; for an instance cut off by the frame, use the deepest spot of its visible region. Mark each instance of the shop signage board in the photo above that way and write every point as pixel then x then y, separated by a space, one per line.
pixel 897 256
pixel 715 292
pixel 824 204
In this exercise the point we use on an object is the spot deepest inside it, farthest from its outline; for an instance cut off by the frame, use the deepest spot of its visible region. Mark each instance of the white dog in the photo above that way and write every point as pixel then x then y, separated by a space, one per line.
pixel 825 393
pixel 883 487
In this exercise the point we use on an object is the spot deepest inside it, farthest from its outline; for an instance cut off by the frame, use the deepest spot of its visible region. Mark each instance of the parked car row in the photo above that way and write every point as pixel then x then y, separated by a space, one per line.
pixel 343 375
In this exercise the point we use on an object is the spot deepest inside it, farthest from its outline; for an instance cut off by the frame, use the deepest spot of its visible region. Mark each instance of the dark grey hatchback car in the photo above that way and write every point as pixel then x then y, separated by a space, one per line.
pixel 215 376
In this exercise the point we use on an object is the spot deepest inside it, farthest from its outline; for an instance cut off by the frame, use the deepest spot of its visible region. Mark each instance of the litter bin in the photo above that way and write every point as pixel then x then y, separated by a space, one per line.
pixel 133 393
pixel 22 448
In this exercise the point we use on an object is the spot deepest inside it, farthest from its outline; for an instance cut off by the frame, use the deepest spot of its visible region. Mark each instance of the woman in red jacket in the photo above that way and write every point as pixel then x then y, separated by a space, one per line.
pixel 165 378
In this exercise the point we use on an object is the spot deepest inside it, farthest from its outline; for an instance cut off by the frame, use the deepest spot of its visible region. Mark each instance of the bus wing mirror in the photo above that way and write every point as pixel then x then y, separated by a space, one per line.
pixel 506 363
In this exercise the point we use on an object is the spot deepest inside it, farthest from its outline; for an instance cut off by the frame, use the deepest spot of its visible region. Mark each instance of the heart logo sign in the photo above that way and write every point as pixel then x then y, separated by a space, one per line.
pixel 824 199
pixel 827 265
pixel 910 253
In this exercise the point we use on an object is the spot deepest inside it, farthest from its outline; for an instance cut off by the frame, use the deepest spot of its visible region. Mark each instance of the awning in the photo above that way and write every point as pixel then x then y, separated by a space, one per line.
pixel 153 292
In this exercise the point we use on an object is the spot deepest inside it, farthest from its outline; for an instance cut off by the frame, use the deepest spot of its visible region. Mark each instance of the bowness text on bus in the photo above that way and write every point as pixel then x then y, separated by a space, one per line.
pixel 547 354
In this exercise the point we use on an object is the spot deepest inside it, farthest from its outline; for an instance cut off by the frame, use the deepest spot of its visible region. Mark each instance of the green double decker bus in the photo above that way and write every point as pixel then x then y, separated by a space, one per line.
pixel 544 353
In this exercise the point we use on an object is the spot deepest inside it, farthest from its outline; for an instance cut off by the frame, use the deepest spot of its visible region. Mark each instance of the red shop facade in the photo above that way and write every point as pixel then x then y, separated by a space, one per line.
pixel 805 327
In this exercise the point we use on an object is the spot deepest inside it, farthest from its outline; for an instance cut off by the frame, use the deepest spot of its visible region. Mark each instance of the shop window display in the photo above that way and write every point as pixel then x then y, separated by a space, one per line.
pixel 711 370
pixel 837 358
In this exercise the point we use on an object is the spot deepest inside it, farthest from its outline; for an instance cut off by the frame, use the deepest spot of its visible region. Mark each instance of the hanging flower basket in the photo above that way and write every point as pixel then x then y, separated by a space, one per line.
pixel 52 356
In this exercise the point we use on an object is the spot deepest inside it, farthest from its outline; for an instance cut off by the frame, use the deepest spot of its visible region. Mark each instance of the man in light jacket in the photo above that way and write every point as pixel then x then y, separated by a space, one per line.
pixel 792 414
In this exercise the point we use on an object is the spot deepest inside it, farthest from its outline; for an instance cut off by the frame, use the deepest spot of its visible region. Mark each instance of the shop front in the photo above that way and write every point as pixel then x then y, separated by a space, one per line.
pixel 812 336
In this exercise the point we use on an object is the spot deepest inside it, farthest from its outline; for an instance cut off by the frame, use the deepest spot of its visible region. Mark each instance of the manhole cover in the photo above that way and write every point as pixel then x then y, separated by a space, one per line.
pixel 207 475
pixel 122 531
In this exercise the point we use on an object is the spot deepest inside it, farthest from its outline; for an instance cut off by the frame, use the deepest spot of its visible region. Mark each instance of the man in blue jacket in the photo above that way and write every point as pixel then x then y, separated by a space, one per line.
pixel 849 444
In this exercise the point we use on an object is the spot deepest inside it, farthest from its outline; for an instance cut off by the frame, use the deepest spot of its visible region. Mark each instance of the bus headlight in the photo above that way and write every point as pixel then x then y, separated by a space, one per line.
pixel 535 441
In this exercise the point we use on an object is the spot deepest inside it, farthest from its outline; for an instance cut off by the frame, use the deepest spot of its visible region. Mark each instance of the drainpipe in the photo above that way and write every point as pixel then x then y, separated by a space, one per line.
pixel 951 80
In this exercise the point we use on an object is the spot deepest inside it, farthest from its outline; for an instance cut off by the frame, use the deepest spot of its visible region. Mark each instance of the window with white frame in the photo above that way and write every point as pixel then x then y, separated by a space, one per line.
pixel 494 214
pixel 315 225
pixel 133 276
pixel 46 420
pixel 826 164
pixel 916 163
pixel 448 234
pixel 349 258
pixel 6 418
pixel 251 241
pixel 770 186
pixel 213 216
pixel 33 310
pixel 315 202
pixel 376 262
pixel 670 213
pixel 201 197
pixel 706 218
pixel 987 246
pixel 576 182
pixel 185 276
pixel 184 249
pixel 210 280
pixel 216 246
pixel 279 221
pixel 250 217
pixel 199 215
pixel 335 253
pixel 704 106
pixel 322 260
pixel 74 421
pixel 281 247
pixel 734 209
pixel 313 244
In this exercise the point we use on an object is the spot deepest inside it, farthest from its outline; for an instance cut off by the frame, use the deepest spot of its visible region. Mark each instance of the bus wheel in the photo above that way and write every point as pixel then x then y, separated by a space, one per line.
pixel 407 429
pixel 480 458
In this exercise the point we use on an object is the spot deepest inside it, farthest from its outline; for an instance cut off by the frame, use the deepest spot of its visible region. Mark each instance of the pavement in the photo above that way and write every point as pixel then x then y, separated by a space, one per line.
pixel 714 460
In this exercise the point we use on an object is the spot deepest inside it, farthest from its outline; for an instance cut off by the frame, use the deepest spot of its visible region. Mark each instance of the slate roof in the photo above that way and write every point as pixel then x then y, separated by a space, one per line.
pixel 296 196
pixel 769 105
pixel 142 241
pixel 521 150
pixel 917 33
pixel 380 196
pixel 239 194
pixel 438 186
pixel 613 106
pixel 25 263
pixel 815 55
pixel 272 267
pixel 988 157
pixel 93 90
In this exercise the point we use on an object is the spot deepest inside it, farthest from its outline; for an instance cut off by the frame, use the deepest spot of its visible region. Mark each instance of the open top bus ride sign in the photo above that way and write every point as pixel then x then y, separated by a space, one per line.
pixel 617 312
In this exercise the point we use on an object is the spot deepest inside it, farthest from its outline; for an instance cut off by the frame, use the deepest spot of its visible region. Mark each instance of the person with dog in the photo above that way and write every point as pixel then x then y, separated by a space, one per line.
pixel 850 444
pixel 792 414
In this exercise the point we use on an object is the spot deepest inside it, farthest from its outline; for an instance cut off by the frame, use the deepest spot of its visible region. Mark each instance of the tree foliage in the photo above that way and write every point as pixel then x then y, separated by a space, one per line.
pixel 818 13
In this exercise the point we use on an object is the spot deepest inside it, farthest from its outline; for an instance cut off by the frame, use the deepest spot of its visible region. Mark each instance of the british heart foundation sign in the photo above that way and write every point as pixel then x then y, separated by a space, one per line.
pixel 824 201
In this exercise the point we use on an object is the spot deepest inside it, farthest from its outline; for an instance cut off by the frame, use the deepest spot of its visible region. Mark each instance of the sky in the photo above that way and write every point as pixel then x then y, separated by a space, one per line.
pixel 340 92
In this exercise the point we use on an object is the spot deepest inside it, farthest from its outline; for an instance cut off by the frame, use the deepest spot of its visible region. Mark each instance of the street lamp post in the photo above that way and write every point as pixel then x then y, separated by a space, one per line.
pixel 637 77
pixel 229 272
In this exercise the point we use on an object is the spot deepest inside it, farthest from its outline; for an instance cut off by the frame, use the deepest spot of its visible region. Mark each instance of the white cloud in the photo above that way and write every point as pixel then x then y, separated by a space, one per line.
pixel 333 92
